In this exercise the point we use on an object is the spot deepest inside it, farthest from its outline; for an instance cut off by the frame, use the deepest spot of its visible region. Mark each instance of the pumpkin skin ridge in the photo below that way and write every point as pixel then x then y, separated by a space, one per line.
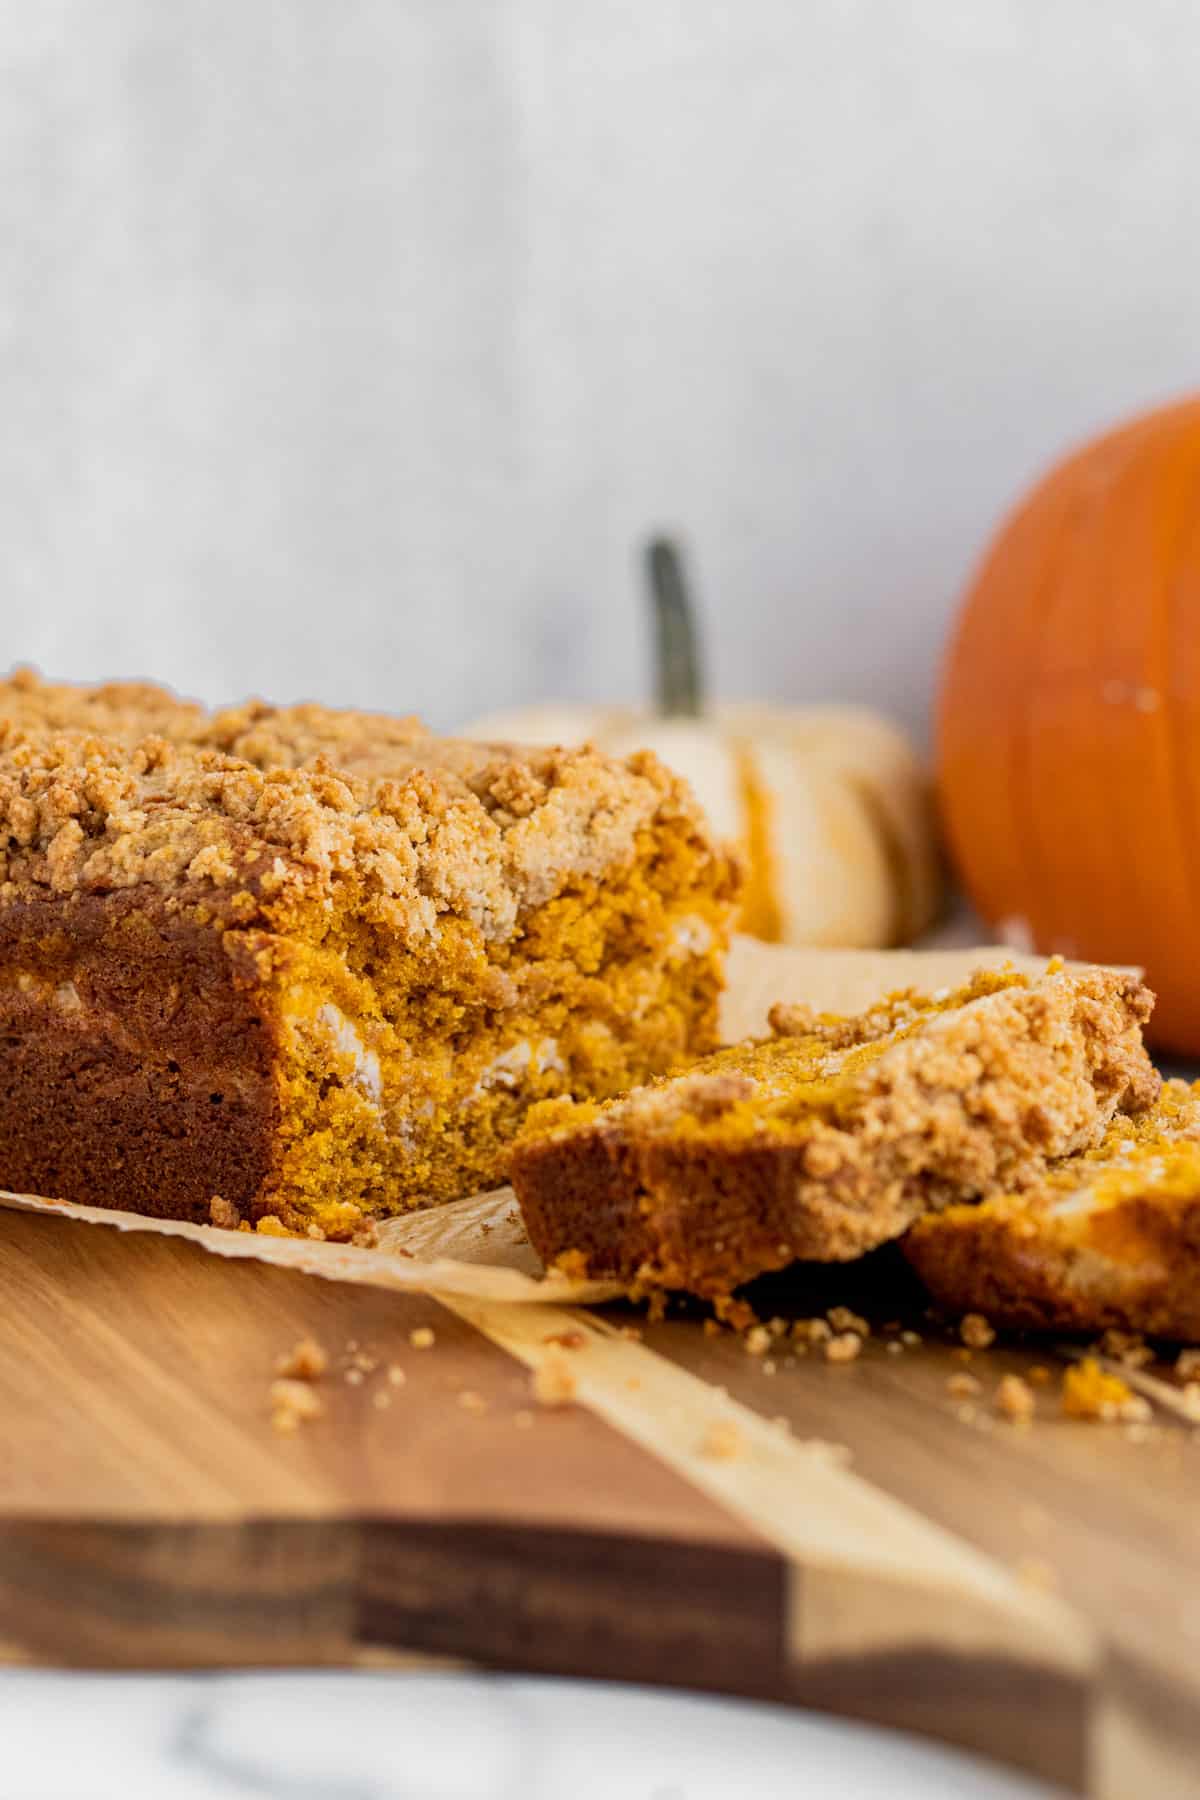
pixel 985 643
pixel 1120 475
pixel 1070 665
pixel 1021 756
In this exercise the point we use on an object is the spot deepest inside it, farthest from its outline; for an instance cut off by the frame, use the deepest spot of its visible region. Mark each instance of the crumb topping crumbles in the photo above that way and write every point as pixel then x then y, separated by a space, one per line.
pixel 87 814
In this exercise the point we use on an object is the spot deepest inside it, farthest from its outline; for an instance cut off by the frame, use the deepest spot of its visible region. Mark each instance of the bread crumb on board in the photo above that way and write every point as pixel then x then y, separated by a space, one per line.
pixel 811 1331
pixel 843 1348
pixel 975 1332
pixel 723 1441
pixel 422 1337
pixel 1090 1392
pixel 1128 1347
pixel 305 1361
pixel 554 1382
pixel 293 1403
pixel 1014 1399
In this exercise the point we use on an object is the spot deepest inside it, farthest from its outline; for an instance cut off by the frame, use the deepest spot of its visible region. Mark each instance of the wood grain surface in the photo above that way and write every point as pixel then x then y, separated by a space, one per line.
pixel 1023 1591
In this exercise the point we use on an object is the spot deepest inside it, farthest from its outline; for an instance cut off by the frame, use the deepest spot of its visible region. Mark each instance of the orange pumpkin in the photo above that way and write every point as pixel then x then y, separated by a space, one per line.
pixel 1069 722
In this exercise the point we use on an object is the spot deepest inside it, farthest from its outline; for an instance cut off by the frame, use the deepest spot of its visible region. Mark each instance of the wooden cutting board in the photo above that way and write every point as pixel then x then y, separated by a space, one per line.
pixel 1031 1593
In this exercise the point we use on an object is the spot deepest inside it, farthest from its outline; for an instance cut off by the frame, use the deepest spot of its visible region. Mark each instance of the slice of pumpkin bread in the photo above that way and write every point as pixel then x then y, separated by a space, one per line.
pixel 834 1135
pixel 1107 1239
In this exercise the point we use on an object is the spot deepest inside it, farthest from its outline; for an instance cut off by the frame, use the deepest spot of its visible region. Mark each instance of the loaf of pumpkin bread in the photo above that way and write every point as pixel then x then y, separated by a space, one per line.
pixel 298 969
pixel 834 1135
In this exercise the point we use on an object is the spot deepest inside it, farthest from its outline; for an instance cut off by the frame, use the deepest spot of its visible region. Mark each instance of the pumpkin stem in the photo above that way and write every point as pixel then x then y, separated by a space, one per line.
pixel 679 683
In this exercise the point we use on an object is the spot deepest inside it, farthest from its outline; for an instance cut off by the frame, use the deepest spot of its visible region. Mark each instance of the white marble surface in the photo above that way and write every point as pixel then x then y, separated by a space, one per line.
pixel 348 348
pixel 445 1737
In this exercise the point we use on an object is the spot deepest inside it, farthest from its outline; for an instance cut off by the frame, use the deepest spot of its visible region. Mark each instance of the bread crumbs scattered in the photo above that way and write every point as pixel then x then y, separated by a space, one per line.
pixel 894 1348
pixel 1034 1572
pixel 554 1380
pixel 843 1348
pixel 354 1377
pixel 723 1441
pixel 472 1402
pixel 633 1332
pixel 1089 1392
pixel 910 1339
pixel 757 1341
pixel 305 1361
pixel 1127 1347
pixel 811 1331
pixel 523 1419
pixel 1039 1375
pixel 842 1319
pixel 1187 1364
pixel 962 1385
pixel 567 1340
pixel 293 1402
pixel 975 1332
pixel 737 1314
pixel 712 1328
pixel 1014 1399
pixel 396 1375
pixel 422 1338
pixel 382 1399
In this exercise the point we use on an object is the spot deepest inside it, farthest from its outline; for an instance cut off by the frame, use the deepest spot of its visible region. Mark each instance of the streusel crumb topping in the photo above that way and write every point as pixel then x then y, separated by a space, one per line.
pixel 477 831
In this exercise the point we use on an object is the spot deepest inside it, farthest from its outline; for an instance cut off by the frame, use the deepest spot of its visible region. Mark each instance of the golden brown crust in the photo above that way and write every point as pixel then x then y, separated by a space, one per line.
pixel 824 1144
pixel 484 835
pixel 120 709
pixel 1107 1240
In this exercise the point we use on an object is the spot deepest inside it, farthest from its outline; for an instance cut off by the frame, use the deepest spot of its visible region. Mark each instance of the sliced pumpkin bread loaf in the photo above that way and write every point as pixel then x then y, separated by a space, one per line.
pixel 834 1134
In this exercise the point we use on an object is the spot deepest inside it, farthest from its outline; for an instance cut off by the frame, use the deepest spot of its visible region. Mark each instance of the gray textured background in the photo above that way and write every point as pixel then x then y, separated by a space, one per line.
pixel 347 346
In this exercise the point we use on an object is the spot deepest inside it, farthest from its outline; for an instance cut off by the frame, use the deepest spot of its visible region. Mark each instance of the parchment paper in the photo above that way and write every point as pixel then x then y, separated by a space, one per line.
pixel 476 1247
